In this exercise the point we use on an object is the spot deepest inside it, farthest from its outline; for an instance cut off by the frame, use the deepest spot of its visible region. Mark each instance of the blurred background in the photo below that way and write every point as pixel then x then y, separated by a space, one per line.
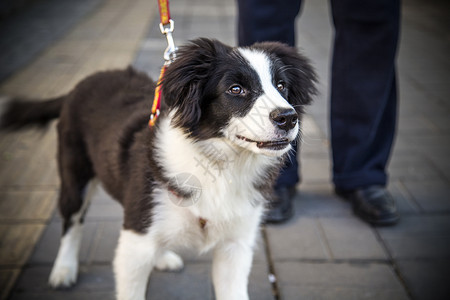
pixel 47 46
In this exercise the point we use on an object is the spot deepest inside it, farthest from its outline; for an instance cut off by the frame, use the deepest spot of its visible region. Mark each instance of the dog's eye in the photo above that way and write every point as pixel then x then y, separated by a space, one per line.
pixel 281 86
pixel 236 90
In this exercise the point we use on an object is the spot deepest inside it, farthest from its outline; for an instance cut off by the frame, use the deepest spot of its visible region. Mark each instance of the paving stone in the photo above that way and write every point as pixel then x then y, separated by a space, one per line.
pixel 412 167
pixel 300 238
pixel 442 162
pixel 403 199
pixel 259 287
pixel 34 280
pixel 340 293
pixel 351 238
pixel 316 170
pixel 17 242
pixel 28 160
pixel 47 247
pixel 64 295
pixel 299 280
pixel 432 196
pixel 193 282
pixel 39 24
pixel 418 237
pixel 111 211
pixel 429 145
pixel 7 279
pixel 105 242
pixel 26 205
pixel 415 125
pixel 426 279
pixel 318 200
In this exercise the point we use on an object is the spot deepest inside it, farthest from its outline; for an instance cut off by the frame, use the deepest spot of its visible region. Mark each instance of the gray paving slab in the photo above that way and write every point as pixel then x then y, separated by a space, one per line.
pixel 316 170
pixel 193 282
pixel 259 286
pixel 406 204
pixel 419 237
pixel 25 35
pixel 92 280
pixel 412 167
pixel 64 295
pixel 432 195
pixel 442 162
pixel 300 238
pixel 7 279
pixel 47 247
pixel 319 201
pixel 111 210
pixel 351 239
pixel 105 243
pixel 302 280
pixel 17 244
pixel 426 279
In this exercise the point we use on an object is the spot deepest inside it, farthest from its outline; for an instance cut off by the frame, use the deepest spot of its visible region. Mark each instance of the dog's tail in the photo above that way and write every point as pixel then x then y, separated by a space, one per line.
pixel 18 114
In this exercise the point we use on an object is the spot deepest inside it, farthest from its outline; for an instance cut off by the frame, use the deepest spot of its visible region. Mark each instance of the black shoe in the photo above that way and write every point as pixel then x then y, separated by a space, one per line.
pixel 373 204
pixel 280 208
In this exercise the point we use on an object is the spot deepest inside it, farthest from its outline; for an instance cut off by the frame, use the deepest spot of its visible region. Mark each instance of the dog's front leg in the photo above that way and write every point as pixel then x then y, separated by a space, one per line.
pixel 231 267
pixel 134 260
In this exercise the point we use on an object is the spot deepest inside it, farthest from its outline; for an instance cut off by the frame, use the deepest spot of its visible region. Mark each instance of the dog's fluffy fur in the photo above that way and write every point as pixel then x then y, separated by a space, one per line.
pixel 199 178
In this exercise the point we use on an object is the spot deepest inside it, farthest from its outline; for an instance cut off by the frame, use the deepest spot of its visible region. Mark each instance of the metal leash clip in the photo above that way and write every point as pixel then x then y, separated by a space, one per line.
pixel 169 53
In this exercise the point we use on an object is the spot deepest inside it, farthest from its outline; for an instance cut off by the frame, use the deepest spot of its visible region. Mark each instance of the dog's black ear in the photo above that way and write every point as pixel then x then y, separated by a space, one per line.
pixel 300 73
pixel 185 79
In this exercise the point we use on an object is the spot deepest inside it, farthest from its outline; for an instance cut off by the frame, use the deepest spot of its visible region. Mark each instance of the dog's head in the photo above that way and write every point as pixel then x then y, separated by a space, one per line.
pixel 252 96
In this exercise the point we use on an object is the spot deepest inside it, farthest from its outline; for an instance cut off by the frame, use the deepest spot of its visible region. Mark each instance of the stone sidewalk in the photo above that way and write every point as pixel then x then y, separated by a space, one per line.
pixel 324 252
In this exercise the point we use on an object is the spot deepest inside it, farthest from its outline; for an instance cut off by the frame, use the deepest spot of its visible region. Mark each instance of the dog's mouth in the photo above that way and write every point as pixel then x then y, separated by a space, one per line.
pixel 272 145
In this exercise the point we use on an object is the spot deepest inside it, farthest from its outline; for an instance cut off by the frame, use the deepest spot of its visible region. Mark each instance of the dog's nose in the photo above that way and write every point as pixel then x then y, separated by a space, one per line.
pixel 284 118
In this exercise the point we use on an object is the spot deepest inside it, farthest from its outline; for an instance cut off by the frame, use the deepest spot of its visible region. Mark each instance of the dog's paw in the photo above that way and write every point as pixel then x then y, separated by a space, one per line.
pixel 169 261
pixel 63 276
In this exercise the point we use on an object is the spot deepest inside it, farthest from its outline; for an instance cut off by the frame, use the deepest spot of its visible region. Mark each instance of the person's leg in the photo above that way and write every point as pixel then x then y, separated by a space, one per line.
pixel 363 91
pixel 268 20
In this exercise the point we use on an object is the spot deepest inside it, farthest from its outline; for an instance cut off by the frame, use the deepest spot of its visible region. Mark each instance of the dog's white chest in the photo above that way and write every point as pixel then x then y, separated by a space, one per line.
pixel 204 224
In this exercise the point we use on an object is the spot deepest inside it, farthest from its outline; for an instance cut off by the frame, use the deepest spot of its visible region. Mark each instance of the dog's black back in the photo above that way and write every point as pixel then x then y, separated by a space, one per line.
pixel 102 109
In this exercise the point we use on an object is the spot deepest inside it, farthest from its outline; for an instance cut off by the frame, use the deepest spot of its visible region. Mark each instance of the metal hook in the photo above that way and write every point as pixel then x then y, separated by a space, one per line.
pixel 169 53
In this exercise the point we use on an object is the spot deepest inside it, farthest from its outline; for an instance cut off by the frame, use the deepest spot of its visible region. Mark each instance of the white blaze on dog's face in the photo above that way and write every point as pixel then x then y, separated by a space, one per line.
pixel 271 124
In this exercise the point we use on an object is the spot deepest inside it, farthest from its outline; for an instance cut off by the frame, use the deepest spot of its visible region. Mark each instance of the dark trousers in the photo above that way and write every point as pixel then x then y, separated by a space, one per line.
pixel 363 82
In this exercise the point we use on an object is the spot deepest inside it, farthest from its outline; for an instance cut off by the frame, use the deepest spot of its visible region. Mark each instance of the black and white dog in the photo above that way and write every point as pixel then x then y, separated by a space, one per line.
pixel 200 178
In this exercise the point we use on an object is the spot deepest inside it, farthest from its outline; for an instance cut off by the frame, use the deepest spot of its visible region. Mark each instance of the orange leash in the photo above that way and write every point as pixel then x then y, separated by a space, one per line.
pixel 167 26
pixel 164 12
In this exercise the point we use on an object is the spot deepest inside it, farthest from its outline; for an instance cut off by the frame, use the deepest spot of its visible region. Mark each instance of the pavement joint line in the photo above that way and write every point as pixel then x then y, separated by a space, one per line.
pixel 438 170
pixel 24 222
pixel 29 188
pixel 270 264
pixel 94 245
pixel 323 237
pixel 393 265
pixel 407 194
pixel 417 84
pixel 337 261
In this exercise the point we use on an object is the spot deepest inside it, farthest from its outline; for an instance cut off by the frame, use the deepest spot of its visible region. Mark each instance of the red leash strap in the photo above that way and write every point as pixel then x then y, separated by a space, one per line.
pixel 157 99
pixel 167 27
pixel 164 12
